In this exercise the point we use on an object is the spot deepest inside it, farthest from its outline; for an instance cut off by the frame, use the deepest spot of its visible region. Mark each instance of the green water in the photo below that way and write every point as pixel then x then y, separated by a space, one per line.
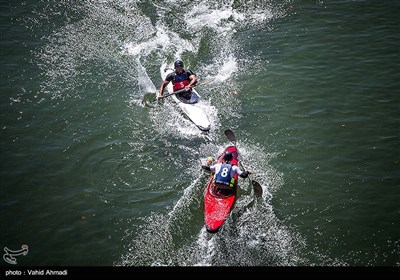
pixel 91 177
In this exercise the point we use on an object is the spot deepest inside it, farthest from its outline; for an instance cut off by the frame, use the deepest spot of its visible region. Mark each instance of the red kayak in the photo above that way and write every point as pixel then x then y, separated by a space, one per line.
pixel 218 203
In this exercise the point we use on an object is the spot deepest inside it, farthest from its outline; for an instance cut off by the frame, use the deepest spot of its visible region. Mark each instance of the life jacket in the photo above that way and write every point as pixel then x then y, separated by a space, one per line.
pixel 224 175
pixel 181 80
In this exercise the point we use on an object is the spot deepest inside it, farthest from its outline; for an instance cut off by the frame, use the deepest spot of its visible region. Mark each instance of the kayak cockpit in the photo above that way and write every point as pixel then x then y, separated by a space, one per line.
pixel 222 191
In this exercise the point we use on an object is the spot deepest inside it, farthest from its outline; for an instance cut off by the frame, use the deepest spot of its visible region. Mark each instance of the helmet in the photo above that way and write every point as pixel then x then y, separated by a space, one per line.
pixel 178 63
pixel 228 156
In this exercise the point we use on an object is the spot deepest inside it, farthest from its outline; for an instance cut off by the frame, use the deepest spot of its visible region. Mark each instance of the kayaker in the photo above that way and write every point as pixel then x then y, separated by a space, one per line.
pixel 225 172
pixel 181 79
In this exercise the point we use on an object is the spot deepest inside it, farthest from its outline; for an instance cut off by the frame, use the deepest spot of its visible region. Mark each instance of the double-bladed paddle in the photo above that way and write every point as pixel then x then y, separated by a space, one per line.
pixel 150 95
pixel 256 186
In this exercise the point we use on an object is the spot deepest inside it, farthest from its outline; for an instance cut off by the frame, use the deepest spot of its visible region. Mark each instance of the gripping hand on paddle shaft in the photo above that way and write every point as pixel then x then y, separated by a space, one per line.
pixel 245 174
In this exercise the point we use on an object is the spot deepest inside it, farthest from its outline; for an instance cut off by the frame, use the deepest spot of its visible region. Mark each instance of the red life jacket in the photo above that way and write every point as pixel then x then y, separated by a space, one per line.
pixel 181 80
pixel 180 85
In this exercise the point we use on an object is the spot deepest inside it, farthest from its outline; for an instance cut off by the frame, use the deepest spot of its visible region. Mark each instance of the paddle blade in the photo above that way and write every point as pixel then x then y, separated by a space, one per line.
pixel 149 100
pixel 257 188
pixel 230 135
pixel 149 97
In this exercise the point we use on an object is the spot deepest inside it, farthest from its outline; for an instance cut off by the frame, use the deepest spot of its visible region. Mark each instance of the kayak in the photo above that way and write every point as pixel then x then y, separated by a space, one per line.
pixel 193 111
pixel 219 203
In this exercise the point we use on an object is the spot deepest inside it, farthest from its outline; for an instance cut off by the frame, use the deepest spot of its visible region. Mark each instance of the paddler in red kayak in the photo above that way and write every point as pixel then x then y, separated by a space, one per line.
pixel 224 178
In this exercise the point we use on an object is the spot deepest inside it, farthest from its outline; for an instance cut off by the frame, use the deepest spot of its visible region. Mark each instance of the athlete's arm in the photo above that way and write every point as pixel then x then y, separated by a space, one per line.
pixel 192 78
pixel 243 174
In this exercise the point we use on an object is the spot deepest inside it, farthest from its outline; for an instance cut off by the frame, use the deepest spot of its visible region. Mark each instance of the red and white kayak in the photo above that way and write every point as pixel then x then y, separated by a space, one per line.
pixel 219 203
